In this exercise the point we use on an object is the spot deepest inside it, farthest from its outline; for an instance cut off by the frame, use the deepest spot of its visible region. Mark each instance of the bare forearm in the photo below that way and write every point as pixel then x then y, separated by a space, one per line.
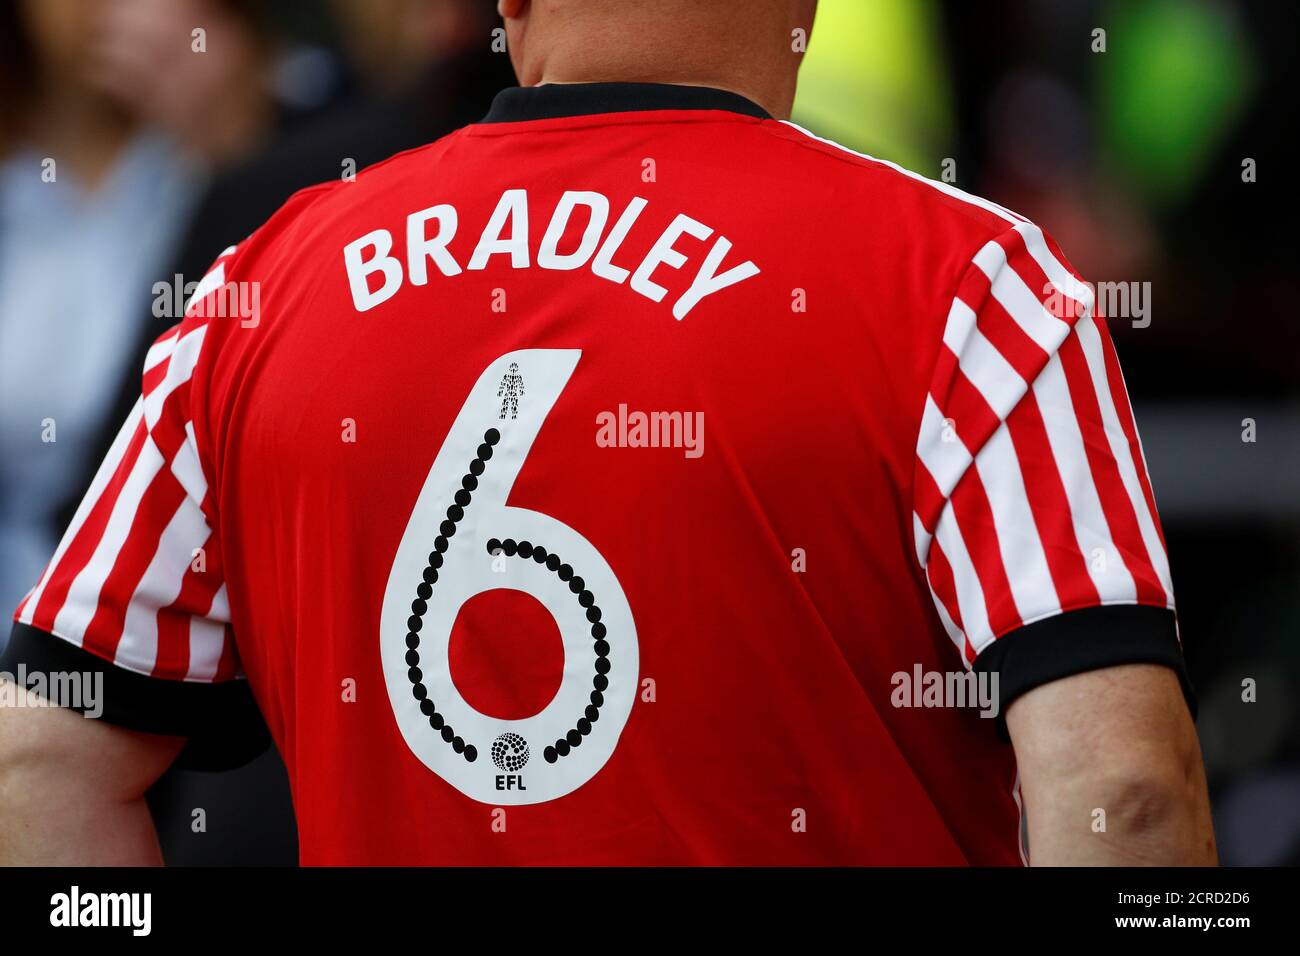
pixel 1111 771
pixel 1138 819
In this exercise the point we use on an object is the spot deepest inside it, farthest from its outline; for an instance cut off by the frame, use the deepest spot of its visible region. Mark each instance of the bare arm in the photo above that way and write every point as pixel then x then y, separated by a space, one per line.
pixel 1119 740
pixel 72 790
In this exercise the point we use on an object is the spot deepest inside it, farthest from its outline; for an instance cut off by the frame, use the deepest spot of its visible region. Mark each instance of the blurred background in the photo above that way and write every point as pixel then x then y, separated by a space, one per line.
pixel 1146 135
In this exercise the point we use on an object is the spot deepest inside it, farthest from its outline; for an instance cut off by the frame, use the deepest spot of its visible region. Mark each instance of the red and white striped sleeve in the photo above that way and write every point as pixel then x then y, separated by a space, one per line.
pixel 1033 514
pixel 135 589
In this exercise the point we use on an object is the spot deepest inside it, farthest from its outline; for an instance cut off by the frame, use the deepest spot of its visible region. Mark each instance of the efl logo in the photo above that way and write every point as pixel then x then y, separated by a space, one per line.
pixel 510 753
pixel 74 908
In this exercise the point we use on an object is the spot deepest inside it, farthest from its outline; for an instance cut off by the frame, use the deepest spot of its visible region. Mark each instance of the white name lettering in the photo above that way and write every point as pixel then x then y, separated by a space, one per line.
pixel 376 274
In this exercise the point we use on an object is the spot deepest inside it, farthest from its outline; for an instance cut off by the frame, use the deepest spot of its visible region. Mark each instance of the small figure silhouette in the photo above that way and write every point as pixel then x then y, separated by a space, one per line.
pixel 511 390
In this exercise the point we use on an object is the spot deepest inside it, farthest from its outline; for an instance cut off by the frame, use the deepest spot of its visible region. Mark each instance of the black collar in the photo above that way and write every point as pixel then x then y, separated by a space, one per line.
pixel 554 100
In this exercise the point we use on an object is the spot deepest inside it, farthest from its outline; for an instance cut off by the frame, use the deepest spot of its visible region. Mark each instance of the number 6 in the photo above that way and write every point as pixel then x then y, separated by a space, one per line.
pixel 459 524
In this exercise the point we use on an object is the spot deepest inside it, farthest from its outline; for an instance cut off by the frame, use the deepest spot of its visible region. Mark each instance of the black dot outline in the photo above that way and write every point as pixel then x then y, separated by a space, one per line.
pixel 553 563
pixel 511 548
pixel 424 591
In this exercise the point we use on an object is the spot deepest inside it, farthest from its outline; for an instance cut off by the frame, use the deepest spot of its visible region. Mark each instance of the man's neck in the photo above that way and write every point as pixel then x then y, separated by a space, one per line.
pixel 770 96
pixel 712 84
pixel 754 60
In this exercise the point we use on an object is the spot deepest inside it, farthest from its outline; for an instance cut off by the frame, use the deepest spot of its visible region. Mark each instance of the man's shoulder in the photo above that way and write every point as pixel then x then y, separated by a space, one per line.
pixel 869 189
pixel 315 206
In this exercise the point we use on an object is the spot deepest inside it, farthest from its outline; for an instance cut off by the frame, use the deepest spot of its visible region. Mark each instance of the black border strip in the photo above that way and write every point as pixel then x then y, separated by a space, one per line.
pixel 329 908
pixel 1075 642
pixel 557 100
pixel 221 720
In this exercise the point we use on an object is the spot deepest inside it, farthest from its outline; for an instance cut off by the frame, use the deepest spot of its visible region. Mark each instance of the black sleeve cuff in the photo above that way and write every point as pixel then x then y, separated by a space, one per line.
pixel 1084 640
pixel 221 721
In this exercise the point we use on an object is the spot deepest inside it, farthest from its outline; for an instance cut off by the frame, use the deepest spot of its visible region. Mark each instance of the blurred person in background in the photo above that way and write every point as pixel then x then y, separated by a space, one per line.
pixel 202 73
pixel 195 68
pixel 78 172
pixel 423 68
pixel 124 116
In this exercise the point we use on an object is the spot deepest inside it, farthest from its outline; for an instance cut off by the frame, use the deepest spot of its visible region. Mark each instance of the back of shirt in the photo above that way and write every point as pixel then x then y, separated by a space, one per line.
pixel 627 478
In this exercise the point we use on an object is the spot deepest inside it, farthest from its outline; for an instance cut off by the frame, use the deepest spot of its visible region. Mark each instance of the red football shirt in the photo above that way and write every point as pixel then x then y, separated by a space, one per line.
pixel 621 479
